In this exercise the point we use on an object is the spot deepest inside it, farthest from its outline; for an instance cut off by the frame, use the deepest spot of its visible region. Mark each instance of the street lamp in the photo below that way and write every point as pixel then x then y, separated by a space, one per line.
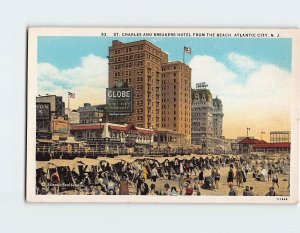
pixel 261 133
pixel 203 143
pixel 248 129
pixel 100 135
pixel 150 140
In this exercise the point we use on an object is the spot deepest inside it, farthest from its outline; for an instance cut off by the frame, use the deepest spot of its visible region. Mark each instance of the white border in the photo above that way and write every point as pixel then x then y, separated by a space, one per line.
pixel 33 33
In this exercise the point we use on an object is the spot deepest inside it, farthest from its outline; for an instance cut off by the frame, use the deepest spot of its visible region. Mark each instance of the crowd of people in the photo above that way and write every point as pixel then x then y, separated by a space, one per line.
pixel 168 177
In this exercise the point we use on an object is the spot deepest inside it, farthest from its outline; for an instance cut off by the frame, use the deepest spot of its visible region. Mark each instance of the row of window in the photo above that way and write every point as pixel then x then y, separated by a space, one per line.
pixel 90 114
pixel 130 64
pixel 129 49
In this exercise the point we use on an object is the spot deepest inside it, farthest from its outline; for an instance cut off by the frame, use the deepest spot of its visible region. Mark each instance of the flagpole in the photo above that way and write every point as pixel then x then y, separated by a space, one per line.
pixel 183 55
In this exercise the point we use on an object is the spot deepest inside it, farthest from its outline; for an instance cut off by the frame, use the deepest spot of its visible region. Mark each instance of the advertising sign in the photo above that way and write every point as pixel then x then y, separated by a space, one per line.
pixel 60 127
pixel 119 100
pixel 42 111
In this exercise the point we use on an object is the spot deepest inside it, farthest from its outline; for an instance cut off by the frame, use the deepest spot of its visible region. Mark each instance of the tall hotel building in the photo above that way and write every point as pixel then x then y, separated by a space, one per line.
pixel 176 99
pixel 161 89
pixel 207 116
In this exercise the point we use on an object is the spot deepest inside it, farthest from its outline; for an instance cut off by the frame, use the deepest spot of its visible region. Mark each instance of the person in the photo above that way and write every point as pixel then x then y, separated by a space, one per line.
pixel 55 180
pixel 275 180
pixel 201 176
pixel 105 178
pixel 176 166
pixel 217 177
pixel 86 180
pixel 124 185
pixel 111 192
pixel 246 191
pixel 239 177
pixel 167 168
pixel 188 178
pixel 181 183
pixel 111 185
pixel 191 166
pixel 174 191
pixel 251 192
pixel 270 172
pixel 154 174
pixel 243 175
pixel 145 171
pixel 232 190
pixel 197 185
pixel 230 176
pixel 187 167
pixel 263 174
pixel 247 169
pixel 138 182
pixel 166 190
pixel 143 188
pixel 188 188
pixel 181 171
pixel 152 190
pixel 271 192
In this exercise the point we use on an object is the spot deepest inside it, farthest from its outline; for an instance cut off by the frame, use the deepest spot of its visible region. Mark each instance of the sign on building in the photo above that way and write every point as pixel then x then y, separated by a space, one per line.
pixel 119 101
pixel 42 111
pixel 60 127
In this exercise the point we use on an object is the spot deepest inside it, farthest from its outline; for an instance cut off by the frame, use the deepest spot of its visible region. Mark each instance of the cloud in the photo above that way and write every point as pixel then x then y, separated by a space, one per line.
pixel 88 80
pixel 261 102
pixel 244 63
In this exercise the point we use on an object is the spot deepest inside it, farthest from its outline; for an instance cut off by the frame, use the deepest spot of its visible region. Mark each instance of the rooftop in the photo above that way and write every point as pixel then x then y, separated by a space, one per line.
pixel 249 140
pixel 206 92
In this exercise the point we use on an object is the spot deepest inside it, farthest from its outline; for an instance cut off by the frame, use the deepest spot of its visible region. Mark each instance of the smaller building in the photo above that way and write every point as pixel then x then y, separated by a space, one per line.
pixel 280 136
pixel 73 116
pixel 246 144
pixel 51 120
pixel 267 148
pixel 112 138
pixel 90 114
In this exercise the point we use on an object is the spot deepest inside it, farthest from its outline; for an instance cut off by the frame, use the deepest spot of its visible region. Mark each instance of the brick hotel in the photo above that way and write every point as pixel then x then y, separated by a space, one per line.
pixel 162 89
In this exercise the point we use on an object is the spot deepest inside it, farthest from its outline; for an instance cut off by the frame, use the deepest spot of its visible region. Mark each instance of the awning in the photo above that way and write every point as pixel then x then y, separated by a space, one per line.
pixel 70 142
pixel 45 141
pixel 86 161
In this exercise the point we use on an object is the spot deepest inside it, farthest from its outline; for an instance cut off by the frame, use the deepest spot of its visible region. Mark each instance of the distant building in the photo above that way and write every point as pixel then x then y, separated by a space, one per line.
pixel 73 116
pixel 51 121
pixel 246 144
pixel 217 117
pixel 269 148
pixel 202 118
pixel 207 120
pixel 280 136
pixel 89 114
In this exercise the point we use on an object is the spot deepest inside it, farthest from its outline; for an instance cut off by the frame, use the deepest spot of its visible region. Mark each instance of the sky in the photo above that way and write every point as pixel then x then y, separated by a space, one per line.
pixel 251 76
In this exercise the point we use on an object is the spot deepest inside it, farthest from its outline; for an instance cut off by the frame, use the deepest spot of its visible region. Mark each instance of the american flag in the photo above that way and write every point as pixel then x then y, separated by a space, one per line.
pixel 71 95
pixel 187 50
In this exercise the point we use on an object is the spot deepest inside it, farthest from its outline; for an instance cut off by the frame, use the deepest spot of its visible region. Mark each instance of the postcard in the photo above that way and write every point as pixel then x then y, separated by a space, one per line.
pixel 163 115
